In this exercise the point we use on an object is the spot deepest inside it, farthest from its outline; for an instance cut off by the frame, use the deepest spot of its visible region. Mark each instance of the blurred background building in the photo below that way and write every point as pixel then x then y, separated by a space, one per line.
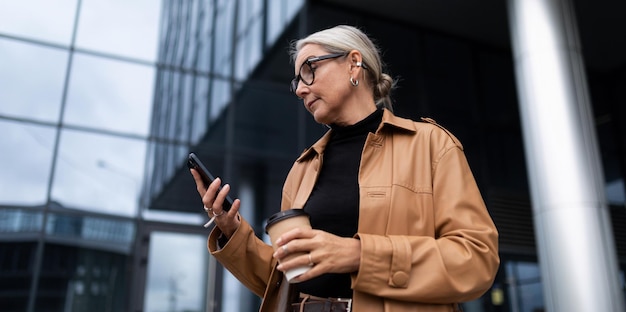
pixel 101 101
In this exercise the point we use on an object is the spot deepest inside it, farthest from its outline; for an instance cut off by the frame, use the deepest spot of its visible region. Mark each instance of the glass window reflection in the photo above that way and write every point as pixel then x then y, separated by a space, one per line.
pixel 20 221
pixel 200 109
pixel 223 38
pixel 274 20
pixel 110 95
pixel 50 21
pixel 172 106
pixel 203 52
pixel 98 172
pixel 120 27
pixel 525 288
pixel 204 36
pixel 106 233
pixel 220 95
pixel 293 7
pixel 176 273
pixel 250 42
pixel 615 194
pixel 279 13
pixel 25 162
pixel 16 267
pixel 82 279
pixel 31 80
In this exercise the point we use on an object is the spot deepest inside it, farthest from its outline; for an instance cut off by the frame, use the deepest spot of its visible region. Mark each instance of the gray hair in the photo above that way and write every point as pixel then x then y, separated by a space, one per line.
pixel 343 39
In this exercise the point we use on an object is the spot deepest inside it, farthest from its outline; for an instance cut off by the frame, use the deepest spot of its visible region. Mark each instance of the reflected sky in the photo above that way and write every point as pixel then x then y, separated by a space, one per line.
pixel 26 68
pixel 120 27
pixel 105 177
pixel 93 171
pixel 50 21
pixel 176 272
pixel 110 95
pixel 25 161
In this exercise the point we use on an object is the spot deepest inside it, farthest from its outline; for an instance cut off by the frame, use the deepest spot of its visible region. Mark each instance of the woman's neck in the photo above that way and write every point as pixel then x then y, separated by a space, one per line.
pixel 356 111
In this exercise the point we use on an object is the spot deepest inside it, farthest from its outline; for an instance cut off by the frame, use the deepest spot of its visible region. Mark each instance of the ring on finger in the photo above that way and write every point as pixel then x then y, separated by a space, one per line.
pixel 206 209
pixel 285 249
pixel 311 263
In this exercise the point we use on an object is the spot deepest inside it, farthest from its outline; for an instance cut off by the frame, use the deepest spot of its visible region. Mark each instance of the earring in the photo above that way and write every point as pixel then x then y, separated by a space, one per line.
pixel 359 64
pixel 354 82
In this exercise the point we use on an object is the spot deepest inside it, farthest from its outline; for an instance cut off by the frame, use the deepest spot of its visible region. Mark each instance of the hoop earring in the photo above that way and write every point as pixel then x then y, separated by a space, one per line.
pixel 354 82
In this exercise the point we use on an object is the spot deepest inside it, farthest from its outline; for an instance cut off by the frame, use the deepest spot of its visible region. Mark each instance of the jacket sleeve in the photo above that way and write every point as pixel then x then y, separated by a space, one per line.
pixel 457 263
pixel 247 257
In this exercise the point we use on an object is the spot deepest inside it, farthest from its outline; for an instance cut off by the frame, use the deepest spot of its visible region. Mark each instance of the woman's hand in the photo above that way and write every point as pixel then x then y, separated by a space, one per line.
pixel 328 253
pixel 227 221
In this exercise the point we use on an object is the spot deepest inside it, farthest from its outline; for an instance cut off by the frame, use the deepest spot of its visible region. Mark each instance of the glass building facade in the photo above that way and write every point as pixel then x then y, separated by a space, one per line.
pixel 101 101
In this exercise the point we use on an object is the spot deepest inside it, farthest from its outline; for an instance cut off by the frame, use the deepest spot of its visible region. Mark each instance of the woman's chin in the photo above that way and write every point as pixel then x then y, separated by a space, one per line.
pixel 323 121
pixel 320 117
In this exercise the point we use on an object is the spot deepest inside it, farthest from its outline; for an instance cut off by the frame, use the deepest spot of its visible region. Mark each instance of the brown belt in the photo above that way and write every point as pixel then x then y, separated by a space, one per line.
pixel 316 304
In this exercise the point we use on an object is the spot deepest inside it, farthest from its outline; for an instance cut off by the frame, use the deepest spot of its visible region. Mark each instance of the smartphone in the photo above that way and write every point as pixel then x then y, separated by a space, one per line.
pixel 194 162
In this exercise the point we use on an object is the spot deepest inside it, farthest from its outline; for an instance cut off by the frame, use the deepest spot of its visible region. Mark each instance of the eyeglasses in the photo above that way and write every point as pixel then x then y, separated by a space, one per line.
pixel 307 72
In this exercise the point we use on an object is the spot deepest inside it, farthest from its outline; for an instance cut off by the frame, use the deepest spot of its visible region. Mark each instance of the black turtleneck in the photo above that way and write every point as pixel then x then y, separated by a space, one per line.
pixel 334 201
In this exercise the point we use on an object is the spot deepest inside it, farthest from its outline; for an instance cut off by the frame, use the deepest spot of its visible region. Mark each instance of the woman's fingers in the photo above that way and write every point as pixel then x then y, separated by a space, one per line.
pixel 220 198
pixel 228 222
pixel 294 234
pixel 199 184
pixel 329 253
pixel 213 198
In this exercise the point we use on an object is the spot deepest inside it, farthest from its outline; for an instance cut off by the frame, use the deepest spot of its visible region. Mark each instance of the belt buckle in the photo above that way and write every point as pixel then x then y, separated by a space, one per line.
pixel 348 301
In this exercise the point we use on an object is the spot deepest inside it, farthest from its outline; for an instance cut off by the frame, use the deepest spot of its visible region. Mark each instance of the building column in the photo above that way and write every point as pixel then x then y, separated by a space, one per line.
pixel 575 241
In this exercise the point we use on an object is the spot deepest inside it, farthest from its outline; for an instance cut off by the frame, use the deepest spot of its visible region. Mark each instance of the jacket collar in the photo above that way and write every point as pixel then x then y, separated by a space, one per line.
pixel 389 121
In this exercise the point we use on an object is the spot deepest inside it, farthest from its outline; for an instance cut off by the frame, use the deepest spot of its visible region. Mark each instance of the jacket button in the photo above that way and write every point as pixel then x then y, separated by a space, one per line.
pixel 400 279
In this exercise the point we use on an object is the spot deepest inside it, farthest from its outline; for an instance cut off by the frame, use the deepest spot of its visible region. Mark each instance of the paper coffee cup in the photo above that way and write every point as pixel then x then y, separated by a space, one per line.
pixel 282 222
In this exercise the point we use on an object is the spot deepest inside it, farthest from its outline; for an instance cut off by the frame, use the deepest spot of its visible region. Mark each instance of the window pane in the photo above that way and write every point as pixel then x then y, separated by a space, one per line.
pixel 525 289
pixel 105 233
pixel 20 221
pixel 220 94
pixel 223 38
pixel 45 20
pixel 274 20
pixel 205 37
pixel 100 173
pixel 164 163
pixel 172 106
pixel 249 47
pixel 171 286
pixel 293 7
pixel 126 28
pixel 193 43
pixel 25 163
pixel 200 108
pixel 615 192
pixel 26 68
pixel 77 279
pixel 16 268
pixel 110 95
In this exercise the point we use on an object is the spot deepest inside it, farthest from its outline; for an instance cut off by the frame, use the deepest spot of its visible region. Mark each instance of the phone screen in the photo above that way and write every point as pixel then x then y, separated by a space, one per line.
pixel 194 162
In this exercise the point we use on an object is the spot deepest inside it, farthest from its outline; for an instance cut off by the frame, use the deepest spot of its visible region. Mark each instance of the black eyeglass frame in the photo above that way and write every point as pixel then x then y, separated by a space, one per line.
pixel 294 82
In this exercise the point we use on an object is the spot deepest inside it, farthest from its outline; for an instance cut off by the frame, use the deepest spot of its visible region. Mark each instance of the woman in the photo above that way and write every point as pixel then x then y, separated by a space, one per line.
pixel 398 221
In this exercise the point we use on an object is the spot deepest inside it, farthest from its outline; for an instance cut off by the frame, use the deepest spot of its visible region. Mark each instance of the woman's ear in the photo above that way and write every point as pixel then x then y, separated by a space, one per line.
pixel 355 58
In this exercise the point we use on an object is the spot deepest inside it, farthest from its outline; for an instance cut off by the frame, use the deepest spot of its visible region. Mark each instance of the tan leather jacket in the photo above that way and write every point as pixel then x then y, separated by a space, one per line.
pixel 427 240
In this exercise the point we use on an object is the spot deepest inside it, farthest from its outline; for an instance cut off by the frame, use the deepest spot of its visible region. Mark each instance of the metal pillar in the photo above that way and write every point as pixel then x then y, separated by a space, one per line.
pixel 575 242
